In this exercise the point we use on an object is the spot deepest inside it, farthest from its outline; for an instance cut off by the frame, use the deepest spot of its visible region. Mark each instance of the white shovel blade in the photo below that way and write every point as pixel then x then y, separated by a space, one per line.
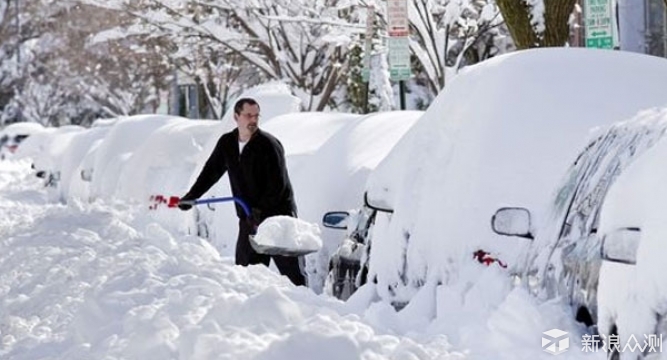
pixel 278 250
pixel 286 236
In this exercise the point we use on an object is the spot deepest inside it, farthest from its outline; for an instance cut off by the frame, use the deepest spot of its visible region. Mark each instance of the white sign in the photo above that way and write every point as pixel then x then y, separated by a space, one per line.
pixel 399 58
pixel 599 24
pixel 397 18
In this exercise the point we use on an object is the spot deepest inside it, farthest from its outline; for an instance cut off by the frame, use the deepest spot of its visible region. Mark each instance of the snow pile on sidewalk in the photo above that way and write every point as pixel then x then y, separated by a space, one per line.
pixel 96 281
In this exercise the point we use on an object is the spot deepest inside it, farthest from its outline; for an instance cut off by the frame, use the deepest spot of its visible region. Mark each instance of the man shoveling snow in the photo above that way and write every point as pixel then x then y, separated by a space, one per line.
pixel 255 162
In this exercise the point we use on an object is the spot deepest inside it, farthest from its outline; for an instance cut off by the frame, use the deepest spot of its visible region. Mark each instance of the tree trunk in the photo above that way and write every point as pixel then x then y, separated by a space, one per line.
pixel 517 15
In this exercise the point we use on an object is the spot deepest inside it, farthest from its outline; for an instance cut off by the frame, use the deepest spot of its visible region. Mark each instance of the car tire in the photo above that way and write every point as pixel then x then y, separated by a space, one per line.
pixel 341 279
pixel 613 354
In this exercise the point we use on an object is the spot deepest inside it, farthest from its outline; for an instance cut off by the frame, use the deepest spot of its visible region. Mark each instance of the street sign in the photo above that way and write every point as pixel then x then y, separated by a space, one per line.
pixel 397 18
pixel 368 44
pixel 399 58
pixel 599 23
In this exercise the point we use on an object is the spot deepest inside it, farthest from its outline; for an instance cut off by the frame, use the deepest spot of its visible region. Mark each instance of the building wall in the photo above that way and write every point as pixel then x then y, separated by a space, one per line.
pixel 656 28
pixel 631 25
pixel 643 26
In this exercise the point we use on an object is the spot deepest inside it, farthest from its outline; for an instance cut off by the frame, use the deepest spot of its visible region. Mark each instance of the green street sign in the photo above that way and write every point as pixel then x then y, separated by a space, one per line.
pixel 601 43
pixel 399 74
pixel 599 23
pixel 399 58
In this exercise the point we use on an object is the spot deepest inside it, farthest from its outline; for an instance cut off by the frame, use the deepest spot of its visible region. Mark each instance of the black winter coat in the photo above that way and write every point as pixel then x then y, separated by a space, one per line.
pixel 258 176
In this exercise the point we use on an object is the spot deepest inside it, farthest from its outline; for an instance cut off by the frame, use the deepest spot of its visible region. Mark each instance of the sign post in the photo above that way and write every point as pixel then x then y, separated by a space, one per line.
pixel 599 15
pixel 399 44
pixel 368 44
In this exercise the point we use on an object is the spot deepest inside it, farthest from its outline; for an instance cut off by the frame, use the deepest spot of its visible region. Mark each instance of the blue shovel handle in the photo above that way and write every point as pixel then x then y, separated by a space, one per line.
pixel 244 206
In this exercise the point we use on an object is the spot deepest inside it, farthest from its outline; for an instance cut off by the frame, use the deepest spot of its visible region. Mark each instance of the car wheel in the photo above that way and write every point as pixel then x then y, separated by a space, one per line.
pixel 584 316
pixel 613 354
pixel 341 280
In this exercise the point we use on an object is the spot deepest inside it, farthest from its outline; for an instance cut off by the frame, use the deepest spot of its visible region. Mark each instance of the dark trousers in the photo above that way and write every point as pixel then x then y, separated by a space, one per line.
pixel 245 255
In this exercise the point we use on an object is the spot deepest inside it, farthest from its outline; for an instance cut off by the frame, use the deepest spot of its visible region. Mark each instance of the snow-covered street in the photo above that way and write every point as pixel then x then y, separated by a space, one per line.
pixel 99 281
pixel 104 281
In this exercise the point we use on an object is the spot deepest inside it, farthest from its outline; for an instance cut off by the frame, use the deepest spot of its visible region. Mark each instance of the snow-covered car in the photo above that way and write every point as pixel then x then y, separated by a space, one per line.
pixel 501 133
pixel 585 251
pixel 162 165
pixel 348 269
pixel 78 146
pixel 632 291
pixel 45 149
pixel 123 139
pixel 12 135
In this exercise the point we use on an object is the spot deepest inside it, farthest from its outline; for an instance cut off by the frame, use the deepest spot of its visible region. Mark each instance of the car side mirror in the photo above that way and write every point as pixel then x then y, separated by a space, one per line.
pixel 336 219
pixel 621 245
pixel 512 221
pixel 87 175
pixel 377 207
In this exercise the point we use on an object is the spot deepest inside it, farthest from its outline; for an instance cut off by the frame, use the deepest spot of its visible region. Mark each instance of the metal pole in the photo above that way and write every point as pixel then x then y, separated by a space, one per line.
pixel 18 35
pixel 17 85
pixel 401 85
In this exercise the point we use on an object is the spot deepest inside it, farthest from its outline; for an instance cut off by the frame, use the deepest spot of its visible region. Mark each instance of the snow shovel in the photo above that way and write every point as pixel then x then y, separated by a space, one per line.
pixel 275 241
pixel 286 236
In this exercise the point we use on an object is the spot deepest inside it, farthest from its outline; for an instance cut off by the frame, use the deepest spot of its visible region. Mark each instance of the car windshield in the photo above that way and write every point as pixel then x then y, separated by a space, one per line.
pixel 19 138
pixel 576 208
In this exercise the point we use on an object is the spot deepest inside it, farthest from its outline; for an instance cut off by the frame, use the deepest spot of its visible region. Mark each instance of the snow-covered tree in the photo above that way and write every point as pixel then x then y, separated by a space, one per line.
pixel 380 94
pixel 12 37
pixel 114 57
pixel 450 34
pixel 538 23
pixel 122 72
pixel 63 77
pixel 445 36
pixel 302 43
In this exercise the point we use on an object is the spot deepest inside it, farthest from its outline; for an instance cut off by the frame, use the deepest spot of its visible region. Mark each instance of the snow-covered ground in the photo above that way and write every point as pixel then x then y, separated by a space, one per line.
pixel 105 281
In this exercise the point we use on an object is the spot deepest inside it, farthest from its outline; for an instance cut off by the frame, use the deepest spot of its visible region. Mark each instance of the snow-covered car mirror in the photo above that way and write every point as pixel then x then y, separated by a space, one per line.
pixel 375 205
pixel 336 219
pixel 512 221
pixel 53 178
pixel 621 245
pixel 87 175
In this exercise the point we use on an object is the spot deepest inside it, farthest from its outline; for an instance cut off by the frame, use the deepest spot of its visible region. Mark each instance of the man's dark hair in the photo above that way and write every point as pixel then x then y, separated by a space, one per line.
pixel 238 107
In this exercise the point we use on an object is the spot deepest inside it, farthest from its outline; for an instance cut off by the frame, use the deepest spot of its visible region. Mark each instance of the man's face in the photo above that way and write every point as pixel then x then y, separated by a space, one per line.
pixel 247 120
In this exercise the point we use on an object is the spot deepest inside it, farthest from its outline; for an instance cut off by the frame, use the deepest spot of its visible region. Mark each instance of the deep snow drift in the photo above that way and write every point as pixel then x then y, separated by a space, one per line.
pixel 105 281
